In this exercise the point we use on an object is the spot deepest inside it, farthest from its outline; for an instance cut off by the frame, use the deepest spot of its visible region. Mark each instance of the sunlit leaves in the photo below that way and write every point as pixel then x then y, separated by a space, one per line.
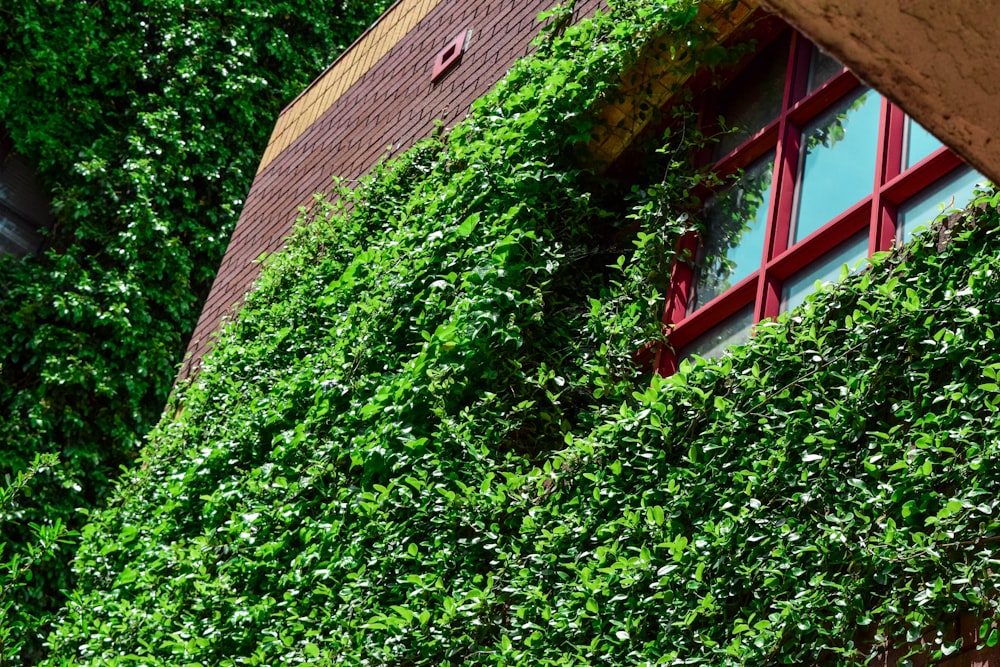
pixel 420 441
pixel 130 118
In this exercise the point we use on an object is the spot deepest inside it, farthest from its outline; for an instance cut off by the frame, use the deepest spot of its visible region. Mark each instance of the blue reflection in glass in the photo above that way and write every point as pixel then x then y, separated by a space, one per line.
pixel 838 161
pixel 735 225
pixel 919 143
pixel 825 270
pixel 952 193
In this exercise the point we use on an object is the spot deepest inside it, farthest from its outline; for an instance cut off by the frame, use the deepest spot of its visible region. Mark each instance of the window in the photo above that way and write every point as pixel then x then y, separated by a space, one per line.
pixel 736 221
pixel 826 269
pixel 952 192
pixel 24 209
pixel 819 172
pixel 836 161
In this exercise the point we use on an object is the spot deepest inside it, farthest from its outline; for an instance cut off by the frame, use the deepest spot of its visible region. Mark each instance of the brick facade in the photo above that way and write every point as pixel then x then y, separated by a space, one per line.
pixel 378 94
pixel 965 626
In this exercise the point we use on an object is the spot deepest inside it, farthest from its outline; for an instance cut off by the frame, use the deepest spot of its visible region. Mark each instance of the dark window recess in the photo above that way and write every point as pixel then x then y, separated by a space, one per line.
pixel 24 208
pixel 822 68
pixel 450 55
pixel 753 99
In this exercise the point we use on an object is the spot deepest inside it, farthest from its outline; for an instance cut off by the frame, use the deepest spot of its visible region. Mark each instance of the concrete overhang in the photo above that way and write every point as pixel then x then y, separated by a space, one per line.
pixel 937 59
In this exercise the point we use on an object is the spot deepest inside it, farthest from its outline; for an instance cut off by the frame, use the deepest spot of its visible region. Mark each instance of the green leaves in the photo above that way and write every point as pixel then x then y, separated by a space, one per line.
pixel 469 224
pixel 129 120
pixel 424 439
pixel 18 568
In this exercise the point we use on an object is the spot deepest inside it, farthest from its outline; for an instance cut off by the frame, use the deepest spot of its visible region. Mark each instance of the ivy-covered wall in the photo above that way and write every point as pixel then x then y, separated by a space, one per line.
pixel 145 121
pixel 423 441
pixel 374 102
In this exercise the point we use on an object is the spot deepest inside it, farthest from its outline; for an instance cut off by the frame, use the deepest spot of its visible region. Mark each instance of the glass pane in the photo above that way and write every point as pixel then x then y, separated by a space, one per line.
pixel 825 270
pixel 734 330
pixel 735 224
pixel 838 161
pixel 822 68
pixel 753 99
pixel 954 192
pixel 18 236
pixel 919 143
pixel 24 207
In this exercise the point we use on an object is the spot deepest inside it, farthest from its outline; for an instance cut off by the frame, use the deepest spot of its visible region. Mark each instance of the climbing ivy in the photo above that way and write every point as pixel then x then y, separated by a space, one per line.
pixel 145 121
pixel 18 569
pixel 422 441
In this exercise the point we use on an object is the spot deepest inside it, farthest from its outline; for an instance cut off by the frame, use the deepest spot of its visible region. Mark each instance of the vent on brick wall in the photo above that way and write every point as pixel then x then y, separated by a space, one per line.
pixel 450 56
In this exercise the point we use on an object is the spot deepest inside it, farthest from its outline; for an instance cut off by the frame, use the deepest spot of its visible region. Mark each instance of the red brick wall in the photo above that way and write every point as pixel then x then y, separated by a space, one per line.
pixel 395 104
pixel 965 626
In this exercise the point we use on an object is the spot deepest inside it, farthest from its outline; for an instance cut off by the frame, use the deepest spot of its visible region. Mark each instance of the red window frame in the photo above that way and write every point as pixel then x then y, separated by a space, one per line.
pixel 876 212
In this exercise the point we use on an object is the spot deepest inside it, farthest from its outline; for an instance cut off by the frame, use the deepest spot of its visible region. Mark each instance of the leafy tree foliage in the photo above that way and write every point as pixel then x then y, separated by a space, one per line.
pixel 17 569
pixel 423 440
pixel 145 120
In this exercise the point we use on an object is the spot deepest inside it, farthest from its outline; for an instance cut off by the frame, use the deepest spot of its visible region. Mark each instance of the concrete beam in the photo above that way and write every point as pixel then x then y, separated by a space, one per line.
pixel 937 59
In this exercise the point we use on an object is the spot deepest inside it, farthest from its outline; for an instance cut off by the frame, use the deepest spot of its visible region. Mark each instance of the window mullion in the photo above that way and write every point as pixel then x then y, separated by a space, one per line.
pixel 768 298
pixel 882 232
pixel 675 308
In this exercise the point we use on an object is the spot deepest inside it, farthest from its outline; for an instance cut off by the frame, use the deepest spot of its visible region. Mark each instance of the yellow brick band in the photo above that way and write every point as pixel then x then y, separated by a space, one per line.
pixel 344 73
pixel 651 82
